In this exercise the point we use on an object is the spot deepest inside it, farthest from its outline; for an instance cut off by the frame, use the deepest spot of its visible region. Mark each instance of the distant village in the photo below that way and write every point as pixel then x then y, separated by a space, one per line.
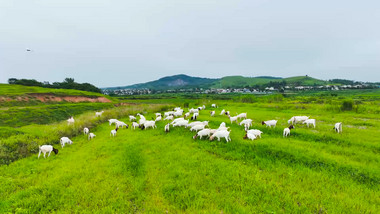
pixel 266 90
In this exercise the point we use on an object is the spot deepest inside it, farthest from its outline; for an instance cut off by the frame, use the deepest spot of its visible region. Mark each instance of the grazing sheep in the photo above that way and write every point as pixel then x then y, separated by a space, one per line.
pixel 134 125
pixel 171 117
pixel 112 121
pixel 203 132
pixel 309 121
pixel 121 124
pixel 91 135
pixel 65 140
pixel 221 134
pixel 212 113
pixel 167 127
pixel 47 148
pixel 86 130
pixel 287 131
pixel 213 105
pixel 192 110
pixel 246 122
pixel 70 121
pixel 223 124
pixel 169 113
pixel 242 115
pixel 178 113
pixel 132 118
pixel 205 123
pixel 99 114
pixel 194 117
pixel 177 120
pixel 197 127
pixel 158 114
pixel 232 119
pixel 177 108
pixel 250 136
pixel 113 132
pixel 227 113
pixel 269 123
pixel 142 121
pixel 338 127
pixel 181 123
pixel 256 132
pixel 222 112
pixel 297 119
pixel 148 124
pixel 186 115
pixel 159 118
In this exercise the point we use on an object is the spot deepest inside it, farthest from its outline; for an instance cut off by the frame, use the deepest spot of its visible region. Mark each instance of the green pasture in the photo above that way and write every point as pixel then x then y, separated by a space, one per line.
pixel 150 171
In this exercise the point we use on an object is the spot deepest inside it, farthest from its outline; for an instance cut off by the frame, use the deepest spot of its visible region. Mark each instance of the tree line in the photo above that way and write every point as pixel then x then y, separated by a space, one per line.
pixel 68 83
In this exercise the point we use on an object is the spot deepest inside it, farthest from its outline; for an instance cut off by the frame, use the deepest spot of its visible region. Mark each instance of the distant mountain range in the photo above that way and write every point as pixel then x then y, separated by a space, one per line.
pixel 184 82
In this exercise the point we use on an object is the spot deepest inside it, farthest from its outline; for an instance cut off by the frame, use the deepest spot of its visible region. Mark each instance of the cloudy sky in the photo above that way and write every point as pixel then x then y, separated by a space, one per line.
pixel 122 42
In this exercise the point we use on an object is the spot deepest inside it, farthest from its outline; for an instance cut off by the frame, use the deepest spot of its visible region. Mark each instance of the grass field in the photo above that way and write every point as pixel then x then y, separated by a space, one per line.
pixel 150 171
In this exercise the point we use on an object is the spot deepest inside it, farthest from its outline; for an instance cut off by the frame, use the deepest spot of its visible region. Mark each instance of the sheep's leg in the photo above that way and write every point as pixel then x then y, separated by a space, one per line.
pixel 44 154
pixel 39 154
pixel 49 154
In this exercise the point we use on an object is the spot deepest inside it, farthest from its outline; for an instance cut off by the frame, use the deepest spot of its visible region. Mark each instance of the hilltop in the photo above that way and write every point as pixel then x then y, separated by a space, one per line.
pixel 185 82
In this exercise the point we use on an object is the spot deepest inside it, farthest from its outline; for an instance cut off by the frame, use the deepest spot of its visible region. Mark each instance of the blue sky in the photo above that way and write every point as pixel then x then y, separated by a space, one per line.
pixel 115 43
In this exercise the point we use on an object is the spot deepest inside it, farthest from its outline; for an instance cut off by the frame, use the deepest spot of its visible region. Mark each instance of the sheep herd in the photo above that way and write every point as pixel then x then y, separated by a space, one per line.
pixel 178 119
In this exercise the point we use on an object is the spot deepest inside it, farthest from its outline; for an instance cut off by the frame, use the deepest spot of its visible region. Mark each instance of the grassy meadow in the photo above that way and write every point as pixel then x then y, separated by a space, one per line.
pixel 150 171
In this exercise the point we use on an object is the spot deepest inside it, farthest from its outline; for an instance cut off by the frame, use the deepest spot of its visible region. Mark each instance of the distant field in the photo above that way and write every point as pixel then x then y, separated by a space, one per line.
pixel 150 171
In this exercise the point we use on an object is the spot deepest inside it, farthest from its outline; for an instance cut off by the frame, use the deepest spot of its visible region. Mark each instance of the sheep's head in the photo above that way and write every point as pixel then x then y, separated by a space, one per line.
pixel 262 123
pixel 142 127
pixel 195 137
pixel 116 128
pixel 55 150
pixel 291 127
pixel 126 126
pixel 245 136
pixel 212 137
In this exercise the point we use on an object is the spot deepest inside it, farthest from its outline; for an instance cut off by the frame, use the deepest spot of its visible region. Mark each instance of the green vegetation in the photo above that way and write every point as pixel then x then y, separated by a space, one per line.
pixel 68 83
pixel 150 171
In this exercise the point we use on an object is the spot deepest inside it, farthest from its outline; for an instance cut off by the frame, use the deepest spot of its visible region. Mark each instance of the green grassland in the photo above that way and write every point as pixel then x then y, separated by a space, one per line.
pixel 150 171
pixel 13 90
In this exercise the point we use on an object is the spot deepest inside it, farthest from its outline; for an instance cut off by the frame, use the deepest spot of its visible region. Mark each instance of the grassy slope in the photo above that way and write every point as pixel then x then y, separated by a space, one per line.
pixel 315 170
pixel 240 81
pixel 12 90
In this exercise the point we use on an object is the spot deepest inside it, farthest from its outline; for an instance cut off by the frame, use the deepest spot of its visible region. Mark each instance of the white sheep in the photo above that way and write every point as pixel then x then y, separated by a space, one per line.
pixel 242 115
pixel 178 113
pixel 197 127
pixel 181 123
pixel 223 124
pixel 227 113
pixel 177 120
pixel 205 123
pixel 65 140
pixel 134 125
pixel 148 124
pixel 47 148
pixel 246 122
pixel 213 105
pixel 142 121
pixel 186 115
pixel 193 110
pixel 222 112
pixel 177 108
pixel 159 118
pixel 338 127
pixel 171 117
pixel 158 114
pixel 309 121
pixel 86 130
pixel 121 124
pixel 203 132
pixel 132 118
pixel 99 114
pixel 255 132
pixel 233 119
pixel 297 119
pixel 250 136
pixel 287 131
pixel 70 121
pixel 221 134
pixel 212 113
pixel 112 121
pixel 91 136
pixel 167 127
pixel 113 132
pixel 166 114
pixel 269 123
pixel 194 117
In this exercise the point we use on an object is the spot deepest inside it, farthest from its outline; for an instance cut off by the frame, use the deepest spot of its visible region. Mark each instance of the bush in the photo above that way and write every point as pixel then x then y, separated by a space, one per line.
pixel 347 105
